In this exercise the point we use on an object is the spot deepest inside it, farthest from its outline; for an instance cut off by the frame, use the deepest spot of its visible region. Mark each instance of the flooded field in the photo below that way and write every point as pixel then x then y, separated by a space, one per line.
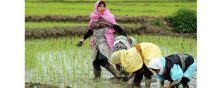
pixel 52 30
pixel 58 62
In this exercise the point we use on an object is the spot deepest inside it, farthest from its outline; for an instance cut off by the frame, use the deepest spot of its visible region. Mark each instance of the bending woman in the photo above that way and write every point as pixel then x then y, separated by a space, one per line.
pixel 176 68
pixel 135 60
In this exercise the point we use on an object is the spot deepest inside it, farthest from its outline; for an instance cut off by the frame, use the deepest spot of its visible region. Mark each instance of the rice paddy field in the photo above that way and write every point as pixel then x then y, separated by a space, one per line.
pixel 56 62
pixel 59 62
pixel 31 25
pixel 117 7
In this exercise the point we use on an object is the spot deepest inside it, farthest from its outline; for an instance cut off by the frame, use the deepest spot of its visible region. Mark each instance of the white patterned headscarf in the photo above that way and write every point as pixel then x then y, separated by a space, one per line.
pixel 121 42
pixel 156 63
pixel 133 41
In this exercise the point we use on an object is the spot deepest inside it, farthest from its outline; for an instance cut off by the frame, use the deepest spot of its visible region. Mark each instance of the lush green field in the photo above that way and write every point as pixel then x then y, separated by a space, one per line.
pixel 52 24
pixel 129 8
pixel 109 0
pixel 58 61
pixel 30 25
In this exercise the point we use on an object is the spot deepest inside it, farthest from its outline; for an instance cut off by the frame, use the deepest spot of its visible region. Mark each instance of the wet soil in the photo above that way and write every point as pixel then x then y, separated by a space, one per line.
pixel 146 29
pixel 81 18
pixel 149 26
pixel 38 85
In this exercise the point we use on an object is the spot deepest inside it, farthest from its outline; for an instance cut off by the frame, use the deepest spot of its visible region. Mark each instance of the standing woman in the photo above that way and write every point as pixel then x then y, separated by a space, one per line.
pixel 102 25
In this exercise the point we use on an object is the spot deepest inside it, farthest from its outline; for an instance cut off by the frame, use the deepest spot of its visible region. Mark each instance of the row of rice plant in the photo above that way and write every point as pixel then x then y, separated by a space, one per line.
pixel 57 61
pixel 30 25
pixel 108 0
pixel 130 8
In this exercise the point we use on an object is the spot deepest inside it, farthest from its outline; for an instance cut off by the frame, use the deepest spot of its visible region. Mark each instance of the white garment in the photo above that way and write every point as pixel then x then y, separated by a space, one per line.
pixel 101 43
pixel 156 63
pixel 121 42
pixel 122 39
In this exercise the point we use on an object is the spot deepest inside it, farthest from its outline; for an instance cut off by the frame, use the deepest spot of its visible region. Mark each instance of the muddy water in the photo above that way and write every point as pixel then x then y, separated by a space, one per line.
pixel 74 69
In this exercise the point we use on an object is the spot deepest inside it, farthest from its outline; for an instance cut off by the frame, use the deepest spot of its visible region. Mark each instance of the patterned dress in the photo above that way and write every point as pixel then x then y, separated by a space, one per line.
pixel 100 27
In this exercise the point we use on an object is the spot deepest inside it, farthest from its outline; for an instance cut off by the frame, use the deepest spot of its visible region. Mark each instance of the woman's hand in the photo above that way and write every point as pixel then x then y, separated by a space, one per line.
pixel 169 86
pixel 80 43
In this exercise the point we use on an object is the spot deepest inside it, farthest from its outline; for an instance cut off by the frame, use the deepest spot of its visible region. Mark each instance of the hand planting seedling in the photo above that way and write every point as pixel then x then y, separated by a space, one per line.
pixel 80 43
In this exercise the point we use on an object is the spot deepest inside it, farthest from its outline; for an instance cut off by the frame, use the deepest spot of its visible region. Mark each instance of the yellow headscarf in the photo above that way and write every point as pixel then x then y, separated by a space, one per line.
pixel 115 57
pixel 131 60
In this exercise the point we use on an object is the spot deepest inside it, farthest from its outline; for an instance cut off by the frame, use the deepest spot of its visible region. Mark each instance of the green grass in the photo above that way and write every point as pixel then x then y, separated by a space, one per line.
pixel 52 24
pixel 109 0
pixel 132 8
pixel 30 25
pixel 58 61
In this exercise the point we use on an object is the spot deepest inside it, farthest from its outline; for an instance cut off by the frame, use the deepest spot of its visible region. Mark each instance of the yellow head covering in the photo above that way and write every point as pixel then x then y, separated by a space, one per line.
pixel 115 57
pixel 131 59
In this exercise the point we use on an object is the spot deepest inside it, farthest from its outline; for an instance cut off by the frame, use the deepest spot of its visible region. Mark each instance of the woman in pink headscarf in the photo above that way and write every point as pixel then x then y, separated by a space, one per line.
pixel 102 25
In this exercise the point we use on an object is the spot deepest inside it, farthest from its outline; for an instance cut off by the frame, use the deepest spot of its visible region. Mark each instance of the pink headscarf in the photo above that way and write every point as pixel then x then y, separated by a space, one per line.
pixel 108 17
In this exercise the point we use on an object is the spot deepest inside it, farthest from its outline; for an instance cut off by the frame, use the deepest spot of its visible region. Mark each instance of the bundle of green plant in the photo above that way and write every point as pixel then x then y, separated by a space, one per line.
pixel 183 21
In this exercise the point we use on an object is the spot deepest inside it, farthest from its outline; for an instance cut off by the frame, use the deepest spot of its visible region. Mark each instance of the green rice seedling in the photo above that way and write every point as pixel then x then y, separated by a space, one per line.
pixel 55 53
pixel 47 25
pixel 130 8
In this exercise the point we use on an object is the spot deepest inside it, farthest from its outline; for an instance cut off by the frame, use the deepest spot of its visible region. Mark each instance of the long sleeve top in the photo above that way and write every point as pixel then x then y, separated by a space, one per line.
pixel 117 28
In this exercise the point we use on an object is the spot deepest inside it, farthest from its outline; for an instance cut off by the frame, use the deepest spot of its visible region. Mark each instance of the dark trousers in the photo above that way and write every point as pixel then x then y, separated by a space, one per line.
pixel 184 82
pixel 139 75
pixel 100 60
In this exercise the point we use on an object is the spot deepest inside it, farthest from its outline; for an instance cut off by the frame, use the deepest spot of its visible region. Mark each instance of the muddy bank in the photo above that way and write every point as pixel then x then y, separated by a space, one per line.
pixel 81 30
pixel 149 26
pixel 81 18
pixel 38 85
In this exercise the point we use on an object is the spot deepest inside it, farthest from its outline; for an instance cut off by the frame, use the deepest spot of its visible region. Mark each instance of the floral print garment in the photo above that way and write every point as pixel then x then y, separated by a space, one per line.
pixel 100 27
